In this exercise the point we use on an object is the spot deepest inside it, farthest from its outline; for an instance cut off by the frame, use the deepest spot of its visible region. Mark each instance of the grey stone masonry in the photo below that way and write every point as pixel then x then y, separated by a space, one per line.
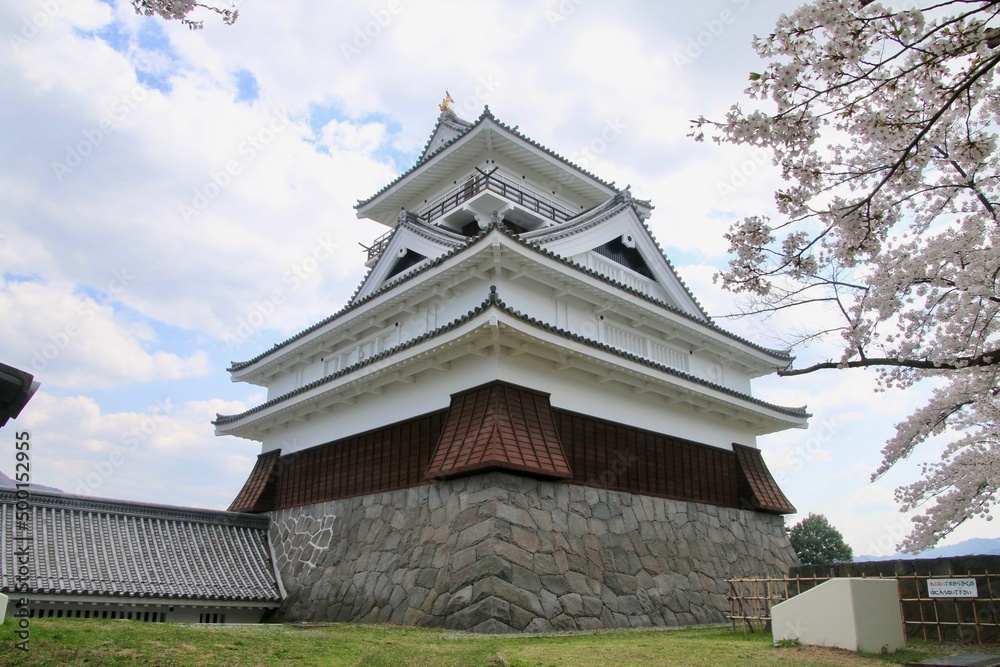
pixel 504 553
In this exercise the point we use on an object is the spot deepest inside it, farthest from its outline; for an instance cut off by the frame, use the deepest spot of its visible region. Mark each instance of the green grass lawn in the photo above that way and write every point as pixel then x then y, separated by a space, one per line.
pixel 93 642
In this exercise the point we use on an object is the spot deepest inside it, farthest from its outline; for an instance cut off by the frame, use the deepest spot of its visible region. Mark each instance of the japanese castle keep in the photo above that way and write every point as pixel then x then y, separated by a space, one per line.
pixel 521 421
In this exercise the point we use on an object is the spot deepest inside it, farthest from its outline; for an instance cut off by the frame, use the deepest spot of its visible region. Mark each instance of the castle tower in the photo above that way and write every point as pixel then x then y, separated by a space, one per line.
pixel 522 419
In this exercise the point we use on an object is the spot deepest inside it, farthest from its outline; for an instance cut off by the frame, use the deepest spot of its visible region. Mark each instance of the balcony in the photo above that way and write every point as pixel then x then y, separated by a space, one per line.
pixel 498 184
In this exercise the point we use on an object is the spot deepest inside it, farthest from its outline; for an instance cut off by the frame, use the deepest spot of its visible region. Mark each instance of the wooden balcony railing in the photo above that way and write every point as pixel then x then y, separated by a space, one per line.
pixel 498 184
pixel 377 246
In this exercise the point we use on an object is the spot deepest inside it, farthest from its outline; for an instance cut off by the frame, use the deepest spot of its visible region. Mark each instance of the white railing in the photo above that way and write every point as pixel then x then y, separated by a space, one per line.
pixel 621 274
pixel 668 356
pixel 632 341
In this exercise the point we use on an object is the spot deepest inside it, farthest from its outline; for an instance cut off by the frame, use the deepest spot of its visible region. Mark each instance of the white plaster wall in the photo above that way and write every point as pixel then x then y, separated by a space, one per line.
pixel 431 391
pixel 578 391
pixel 570 389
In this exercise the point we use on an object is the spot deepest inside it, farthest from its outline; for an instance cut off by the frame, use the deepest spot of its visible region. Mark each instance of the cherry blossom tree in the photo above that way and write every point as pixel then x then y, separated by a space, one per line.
pixel 179 10
pixel 883 121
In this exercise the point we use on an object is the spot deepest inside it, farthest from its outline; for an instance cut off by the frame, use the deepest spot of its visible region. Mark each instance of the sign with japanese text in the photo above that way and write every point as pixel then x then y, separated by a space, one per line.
pixel 952 588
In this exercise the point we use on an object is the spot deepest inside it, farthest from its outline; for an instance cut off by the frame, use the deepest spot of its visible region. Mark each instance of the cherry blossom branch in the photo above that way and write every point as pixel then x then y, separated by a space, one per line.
pixel 991 358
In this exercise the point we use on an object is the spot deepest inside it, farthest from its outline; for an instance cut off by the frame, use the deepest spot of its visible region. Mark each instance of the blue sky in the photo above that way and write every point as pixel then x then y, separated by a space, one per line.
pixel 160 184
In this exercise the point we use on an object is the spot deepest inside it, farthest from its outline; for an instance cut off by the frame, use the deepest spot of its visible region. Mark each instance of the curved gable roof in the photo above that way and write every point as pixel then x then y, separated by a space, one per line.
pixel 383 205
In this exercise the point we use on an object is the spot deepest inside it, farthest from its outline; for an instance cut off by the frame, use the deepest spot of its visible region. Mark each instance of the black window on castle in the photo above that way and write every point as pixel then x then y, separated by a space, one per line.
pixel 406 261
pixel 630 258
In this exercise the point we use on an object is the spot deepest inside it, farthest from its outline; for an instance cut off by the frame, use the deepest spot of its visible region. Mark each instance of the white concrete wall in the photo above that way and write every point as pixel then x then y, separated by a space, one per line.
pixel 853 614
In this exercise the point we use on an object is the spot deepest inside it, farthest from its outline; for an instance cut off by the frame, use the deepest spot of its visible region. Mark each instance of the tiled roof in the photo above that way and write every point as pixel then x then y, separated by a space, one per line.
pixel 227 419
pixel 499 426
pixel 598 214
pixel 86 546
pixel 355 302
pixel 416 271
pixel 424 159
pixel 758 484
pixel 250 497
pixel 448 120
pixel 494 301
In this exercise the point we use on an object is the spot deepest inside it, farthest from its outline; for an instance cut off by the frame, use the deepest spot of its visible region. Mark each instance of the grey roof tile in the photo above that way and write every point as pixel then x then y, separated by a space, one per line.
pixel 99 547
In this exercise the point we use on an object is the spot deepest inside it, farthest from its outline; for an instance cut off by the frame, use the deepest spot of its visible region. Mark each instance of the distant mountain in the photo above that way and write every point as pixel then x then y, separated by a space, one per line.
pixel 977 546
pixel 8 483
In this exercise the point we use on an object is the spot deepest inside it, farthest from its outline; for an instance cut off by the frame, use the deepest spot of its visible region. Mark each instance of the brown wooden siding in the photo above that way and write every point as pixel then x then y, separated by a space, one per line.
pixel 599 454
pixel 609 455
pixel 757 485
pixel 386 459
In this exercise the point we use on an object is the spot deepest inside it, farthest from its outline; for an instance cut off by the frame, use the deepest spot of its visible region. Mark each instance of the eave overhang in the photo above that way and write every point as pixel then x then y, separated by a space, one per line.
pixel 494 329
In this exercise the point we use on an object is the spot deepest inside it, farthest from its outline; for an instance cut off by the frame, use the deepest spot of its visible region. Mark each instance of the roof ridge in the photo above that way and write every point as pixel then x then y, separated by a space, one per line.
pixel 444 118
pixel 140 508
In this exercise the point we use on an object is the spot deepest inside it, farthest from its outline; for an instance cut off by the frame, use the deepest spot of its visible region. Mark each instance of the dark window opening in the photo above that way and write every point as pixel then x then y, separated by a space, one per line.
pixel 630 258
pixel 405 262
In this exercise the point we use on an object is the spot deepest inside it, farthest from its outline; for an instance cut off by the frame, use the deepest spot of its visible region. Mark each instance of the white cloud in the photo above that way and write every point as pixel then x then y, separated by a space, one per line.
pixel 163 453
pixel 74 340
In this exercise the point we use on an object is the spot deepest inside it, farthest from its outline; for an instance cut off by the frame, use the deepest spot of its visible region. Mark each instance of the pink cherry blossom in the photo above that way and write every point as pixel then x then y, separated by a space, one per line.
pixel 884 123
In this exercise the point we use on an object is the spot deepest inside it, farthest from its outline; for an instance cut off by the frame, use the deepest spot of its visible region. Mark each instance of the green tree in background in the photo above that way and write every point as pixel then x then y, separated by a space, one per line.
pixel 816 542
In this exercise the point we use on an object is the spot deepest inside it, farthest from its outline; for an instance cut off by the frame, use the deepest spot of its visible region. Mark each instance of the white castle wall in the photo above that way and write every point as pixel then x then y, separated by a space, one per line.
pixel 570 389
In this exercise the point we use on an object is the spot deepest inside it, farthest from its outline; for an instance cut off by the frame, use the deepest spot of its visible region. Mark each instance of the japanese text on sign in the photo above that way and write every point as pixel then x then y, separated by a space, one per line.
pixel 952 588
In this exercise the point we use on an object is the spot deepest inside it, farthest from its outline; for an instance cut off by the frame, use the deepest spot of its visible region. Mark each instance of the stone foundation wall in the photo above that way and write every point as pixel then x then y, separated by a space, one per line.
pixel 503 553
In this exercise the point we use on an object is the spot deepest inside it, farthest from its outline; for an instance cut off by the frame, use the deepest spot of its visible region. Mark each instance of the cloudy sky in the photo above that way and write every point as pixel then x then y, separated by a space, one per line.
pixel 172 200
